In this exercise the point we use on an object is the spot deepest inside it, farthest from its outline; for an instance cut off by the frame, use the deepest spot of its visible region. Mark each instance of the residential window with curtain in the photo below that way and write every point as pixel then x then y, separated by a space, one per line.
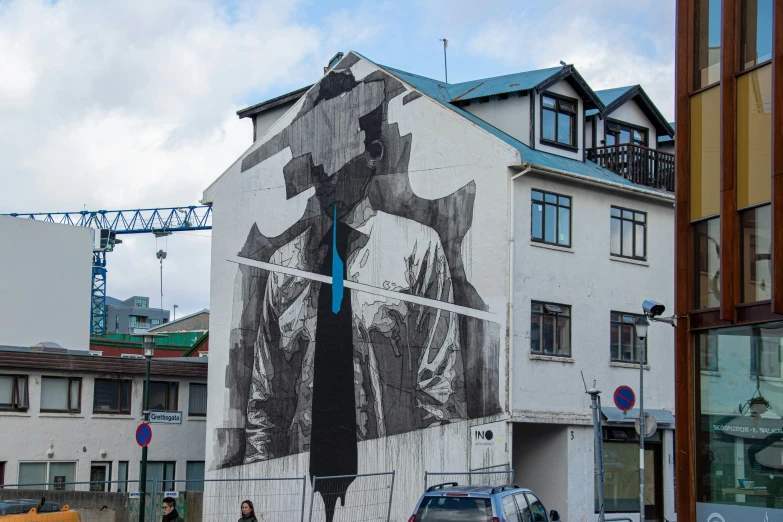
pixel 112 396
pixel 197 406
pixel 755 32
pixel 550 219
pixel 550 331
pixel 164 395
pixel 13 393
pixel 625 344
pixel 628 233
pixel 61 394
pixel 706 41
pixel 558 120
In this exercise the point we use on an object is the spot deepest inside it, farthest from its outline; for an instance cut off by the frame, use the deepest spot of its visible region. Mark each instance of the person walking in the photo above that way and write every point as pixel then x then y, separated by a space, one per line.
pixel 170 512
pixel 248 512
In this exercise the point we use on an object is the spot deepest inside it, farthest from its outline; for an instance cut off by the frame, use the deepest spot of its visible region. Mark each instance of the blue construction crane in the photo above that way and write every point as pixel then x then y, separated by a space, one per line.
pixel 108 223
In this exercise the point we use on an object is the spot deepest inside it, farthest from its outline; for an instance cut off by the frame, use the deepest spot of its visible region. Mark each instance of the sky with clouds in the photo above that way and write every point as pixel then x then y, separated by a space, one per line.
pixel 132 104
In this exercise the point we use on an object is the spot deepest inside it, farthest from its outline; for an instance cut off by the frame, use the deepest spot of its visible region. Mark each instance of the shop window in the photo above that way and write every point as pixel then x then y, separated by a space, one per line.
pixel 48 475
pixel 739 430
pixel 706 273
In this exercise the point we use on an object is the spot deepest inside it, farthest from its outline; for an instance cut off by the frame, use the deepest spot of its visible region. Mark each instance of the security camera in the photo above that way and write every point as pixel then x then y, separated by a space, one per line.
pixel 653 309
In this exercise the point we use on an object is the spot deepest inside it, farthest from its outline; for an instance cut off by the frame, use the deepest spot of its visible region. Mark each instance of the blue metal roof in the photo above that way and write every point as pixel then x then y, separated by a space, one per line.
pixel 434 89
pixel 666 139
pixel 607 96
pixel 440 92
pixel 523 81
pixel 448 92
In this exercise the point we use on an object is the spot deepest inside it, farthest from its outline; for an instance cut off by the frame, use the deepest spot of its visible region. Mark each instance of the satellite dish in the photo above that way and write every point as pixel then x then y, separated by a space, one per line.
pixel 650 425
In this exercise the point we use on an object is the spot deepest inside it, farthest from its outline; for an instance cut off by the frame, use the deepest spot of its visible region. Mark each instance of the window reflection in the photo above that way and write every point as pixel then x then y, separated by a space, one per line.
pixel 755 32
pixel 740 456
pixel 706 247
pixel 707 25
pixel 756 254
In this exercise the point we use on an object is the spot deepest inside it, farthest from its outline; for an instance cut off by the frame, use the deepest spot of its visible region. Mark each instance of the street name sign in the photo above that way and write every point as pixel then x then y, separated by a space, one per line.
pixel 165 417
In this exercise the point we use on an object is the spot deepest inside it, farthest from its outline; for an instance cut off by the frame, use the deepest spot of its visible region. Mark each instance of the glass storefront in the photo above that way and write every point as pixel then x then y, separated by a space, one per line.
pixel 739 447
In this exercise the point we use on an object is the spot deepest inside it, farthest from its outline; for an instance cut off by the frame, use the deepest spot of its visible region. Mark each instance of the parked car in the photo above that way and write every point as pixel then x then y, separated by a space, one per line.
pixel 26 510
pixel 451 502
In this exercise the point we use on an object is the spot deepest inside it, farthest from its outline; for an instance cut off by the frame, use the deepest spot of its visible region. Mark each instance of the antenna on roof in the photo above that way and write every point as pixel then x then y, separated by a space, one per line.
pixel 445 64
pixel 563 63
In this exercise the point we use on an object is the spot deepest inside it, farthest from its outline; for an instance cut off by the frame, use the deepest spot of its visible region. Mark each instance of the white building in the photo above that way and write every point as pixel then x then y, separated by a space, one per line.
pixel 479 266
pixel 45 280
pixel 66 416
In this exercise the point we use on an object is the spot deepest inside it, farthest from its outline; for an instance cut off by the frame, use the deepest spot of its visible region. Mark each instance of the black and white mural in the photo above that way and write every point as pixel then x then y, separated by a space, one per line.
pixel 359 320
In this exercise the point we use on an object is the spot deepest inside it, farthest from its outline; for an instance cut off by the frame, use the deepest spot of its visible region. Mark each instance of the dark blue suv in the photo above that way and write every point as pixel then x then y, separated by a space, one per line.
pixel 451 502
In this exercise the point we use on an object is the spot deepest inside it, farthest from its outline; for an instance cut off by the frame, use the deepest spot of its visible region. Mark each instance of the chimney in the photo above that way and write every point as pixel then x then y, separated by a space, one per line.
pixel 334 61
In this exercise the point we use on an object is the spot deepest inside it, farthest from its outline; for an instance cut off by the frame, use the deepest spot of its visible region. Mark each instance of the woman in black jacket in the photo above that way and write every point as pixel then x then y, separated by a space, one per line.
pixel 248 512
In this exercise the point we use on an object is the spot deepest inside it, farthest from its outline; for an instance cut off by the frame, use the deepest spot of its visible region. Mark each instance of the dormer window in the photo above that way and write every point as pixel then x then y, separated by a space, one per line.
pixel 558 120
pixel 619 133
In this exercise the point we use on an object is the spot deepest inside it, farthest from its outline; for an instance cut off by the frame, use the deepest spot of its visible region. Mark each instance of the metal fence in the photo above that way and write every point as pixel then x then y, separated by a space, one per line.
pixel 469 478
pixel 352 498
pixel 274 499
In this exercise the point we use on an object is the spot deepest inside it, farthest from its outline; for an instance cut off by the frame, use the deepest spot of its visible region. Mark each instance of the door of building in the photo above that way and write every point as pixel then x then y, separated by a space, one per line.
pixel 100 474
pixel 653 482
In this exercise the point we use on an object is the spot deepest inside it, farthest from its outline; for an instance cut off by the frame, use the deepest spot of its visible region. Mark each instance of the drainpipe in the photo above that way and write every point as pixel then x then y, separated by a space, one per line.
pixel 510 318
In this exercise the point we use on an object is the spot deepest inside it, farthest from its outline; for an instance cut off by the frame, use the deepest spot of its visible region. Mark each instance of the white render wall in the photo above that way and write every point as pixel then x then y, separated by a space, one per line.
pixel 80 437
pixel 45 281
pixel 593 283
pixel 511 115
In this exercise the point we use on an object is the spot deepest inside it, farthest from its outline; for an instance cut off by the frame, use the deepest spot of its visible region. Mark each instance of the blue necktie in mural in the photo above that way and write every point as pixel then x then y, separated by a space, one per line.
pixel 337 270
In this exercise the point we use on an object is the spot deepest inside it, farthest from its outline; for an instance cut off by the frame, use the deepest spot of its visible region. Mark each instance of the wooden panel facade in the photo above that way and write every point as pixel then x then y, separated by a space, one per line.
pixel 683 293
pixel 777 157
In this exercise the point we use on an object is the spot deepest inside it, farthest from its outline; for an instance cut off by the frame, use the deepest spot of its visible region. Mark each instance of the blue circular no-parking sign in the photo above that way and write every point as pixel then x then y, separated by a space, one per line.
pixel 624 398
pixel 143 434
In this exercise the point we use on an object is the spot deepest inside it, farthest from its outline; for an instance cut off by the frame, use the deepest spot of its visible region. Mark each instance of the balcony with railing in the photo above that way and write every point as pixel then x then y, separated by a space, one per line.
pixel 640 165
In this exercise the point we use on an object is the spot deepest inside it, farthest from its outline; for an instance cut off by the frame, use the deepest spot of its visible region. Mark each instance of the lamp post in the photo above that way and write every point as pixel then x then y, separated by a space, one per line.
pixel 175 312
pixel 148 349
pixel 641 333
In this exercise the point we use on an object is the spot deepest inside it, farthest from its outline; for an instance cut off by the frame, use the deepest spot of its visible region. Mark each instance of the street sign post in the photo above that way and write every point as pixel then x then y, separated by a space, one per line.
pixel 143 434
pixel 165 417
pixel 624 398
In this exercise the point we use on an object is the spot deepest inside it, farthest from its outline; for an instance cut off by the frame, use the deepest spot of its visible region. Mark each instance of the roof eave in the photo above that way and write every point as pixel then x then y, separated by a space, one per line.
pixel 646 104
pixel 274 102
pixel 589 97
pixel 641 191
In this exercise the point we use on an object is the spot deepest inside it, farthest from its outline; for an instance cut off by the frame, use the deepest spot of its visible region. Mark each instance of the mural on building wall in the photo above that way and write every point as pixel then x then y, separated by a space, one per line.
pixel 358 321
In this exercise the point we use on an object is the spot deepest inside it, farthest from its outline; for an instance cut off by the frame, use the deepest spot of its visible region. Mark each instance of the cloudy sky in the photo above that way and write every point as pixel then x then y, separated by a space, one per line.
pixel 132 104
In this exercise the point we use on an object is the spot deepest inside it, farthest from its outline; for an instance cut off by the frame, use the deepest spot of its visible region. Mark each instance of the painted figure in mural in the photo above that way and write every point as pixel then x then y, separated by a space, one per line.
pixel 333 365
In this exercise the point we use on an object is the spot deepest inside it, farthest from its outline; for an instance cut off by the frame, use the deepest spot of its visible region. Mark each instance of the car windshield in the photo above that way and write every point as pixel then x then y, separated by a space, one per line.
pixel 454 509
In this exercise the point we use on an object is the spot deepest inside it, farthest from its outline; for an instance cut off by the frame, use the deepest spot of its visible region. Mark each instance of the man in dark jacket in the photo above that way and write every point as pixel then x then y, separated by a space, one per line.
pixel 170 512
